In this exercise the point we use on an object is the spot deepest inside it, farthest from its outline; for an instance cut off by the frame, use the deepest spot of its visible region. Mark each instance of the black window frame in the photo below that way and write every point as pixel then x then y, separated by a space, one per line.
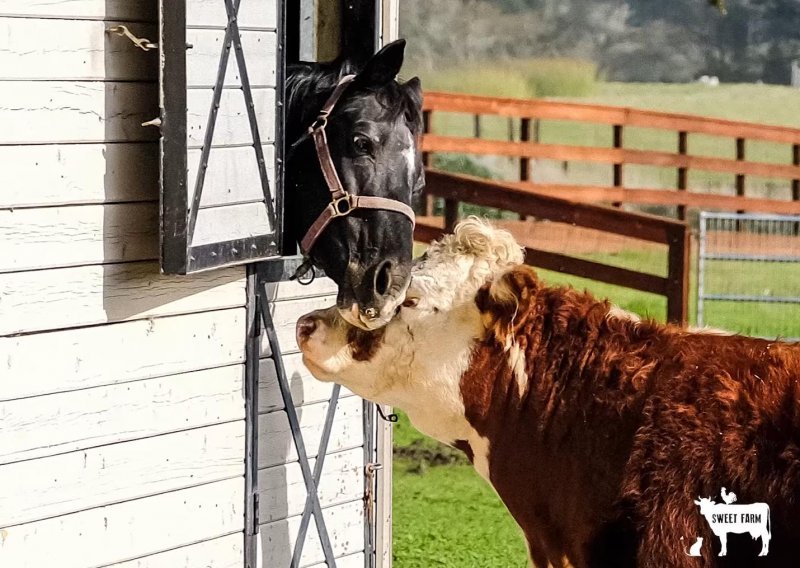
pixel 177 254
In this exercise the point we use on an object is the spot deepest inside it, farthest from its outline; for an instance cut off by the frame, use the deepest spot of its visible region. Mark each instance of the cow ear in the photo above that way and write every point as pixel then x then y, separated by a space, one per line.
pixel 508 302
pixel 384 66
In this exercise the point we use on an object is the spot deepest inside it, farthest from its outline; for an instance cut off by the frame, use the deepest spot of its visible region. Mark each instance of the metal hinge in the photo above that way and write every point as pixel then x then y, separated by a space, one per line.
pixel 369 492
pixel 256 519
pixel 257 312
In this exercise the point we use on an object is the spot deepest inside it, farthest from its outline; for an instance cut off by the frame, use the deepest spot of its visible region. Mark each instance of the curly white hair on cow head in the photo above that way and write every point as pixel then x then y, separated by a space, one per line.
pixel 457 265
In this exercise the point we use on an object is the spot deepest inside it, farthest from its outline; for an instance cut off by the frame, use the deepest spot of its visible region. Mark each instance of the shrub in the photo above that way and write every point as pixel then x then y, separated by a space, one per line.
pixel 482 78
pixel 559 77
pixel 516 78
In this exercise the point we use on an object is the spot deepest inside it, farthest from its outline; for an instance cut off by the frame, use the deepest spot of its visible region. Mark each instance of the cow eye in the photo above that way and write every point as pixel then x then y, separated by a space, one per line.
pixel 362 145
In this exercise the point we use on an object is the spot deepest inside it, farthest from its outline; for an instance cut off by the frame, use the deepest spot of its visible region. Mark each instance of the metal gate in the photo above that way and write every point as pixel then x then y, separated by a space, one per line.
pixel 749 274
pixel 263 328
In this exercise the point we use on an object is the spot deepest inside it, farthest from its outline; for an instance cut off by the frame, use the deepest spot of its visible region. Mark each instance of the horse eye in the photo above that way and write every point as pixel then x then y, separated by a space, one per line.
pixel 362 144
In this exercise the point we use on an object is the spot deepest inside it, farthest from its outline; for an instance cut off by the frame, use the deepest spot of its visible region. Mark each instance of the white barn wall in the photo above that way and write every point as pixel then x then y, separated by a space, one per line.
pixel 121 400
pixel 121 390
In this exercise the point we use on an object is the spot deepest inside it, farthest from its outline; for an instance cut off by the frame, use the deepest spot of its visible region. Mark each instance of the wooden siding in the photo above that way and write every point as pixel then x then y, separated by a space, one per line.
pixel 278 537
pixel 122 433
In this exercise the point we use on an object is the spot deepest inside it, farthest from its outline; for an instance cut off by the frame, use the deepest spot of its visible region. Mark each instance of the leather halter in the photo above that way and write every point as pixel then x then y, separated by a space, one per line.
pixel 342 203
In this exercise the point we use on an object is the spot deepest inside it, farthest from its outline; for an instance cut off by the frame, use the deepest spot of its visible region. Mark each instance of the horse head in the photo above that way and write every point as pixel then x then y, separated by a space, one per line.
pixel 372 137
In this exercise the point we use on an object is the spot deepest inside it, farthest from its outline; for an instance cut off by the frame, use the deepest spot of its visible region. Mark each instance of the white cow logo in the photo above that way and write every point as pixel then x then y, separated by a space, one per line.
pixel 724 518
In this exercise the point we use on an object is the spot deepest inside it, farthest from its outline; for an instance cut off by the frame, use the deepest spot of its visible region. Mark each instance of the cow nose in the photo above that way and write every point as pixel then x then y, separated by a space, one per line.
pixel 306 325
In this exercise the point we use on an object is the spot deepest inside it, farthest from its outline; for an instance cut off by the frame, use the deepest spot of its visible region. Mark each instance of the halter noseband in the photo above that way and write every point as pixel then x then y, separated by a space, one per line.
pixel 342 203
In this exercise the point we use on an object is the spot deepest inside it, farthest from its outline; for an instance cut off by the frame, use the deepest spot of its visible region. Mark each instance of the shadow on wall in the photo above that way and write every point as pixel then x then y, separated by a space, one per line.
pixel 281 483
pixel 131 282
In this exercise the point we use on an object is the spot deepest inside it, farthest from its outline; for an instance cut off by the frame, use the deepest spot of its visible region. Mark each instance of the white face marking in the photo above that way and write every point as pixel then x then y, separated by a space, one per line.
pixel 410 154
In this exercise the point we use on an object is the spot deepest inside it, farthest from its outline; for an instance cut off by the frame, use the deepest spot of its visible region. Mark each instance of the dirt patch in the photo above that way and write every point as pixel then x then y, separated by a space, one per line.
pixel 424 454
pixel 752 243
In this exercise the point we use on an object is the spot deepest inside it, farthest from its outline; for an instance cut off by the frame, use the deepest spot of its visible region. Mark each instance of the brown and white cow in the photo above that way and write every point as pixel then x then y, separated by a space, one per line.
pixel 597 430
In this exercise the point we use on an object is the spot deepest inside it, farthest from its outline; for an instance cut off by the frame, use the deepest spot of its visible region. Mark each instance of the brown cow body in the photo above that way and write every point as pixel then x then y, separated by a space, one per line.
pixel 597 430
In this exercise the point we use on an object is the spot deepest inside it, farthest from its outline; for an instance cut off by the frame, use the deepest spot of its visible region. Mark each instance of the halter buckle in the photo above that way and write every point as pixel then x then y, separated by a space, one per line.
pixel 319 123
pixel 342 206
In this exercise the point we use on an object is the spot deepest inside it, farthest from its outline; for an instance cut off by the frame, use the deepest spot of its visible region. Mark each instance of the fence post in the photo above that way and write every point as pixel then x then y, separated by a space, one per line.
pixel 618 166
pixel 476 125
pixel 740 144
pixel 701 269
pixel 683 173
pixel 427 127
pixel 524 162
pixel 796 181
pixel 678 275
pixel 450 214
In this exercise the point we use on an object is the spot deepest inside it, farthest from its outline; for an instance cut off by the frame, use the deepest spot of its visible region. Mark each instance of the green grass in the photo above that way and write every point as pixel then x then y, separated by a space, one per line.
pixel 447 515
pixel 768 104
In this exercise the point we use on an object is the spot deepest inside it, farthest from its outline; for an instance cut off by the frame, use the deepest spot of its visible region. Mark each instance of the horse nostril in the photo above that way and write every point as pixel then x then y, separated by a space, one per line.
pixel 383 278
pixel 306 325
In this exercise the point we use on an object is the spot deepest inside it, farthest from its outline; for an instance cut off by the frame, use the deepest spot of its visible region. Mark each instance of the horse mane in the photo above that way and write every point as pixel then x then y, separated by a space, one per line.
pixel 308 84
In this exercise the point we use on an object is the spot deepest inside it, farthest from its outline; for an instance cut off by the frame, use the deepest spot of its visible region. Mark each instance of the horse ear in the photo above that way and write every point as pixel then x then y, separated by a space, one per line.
pixel 384 66
pixel 414 88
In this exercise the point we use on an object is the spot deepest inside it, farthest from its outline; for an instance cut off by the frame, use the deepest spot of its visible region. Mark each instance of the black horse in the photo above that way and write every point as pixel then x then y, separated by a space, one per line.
pixel 373 135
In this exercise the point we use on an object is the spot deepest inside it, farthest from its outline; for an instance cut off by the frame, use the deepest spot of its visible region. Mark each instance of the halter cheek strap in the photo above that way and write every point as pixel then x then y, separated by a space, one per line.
pixel 342 203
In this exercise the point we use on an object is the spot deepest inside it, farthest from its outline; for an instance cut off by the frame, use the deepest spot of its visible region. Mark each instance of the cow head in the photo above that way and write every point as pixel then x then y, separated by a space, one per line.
pixel 438 319
pixel 705 504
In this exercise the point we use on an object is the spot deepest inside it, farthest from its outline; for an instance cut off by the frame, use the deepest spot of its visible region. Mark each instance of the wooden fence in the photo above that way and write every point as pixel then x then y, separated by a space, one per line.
pixel 529 112
pixel 675 286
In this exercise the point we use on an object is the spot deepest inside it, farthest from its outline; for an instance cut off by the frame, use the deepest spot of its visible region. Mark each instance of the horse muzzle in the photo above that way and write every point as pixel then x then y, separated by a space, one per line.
pixel 371 296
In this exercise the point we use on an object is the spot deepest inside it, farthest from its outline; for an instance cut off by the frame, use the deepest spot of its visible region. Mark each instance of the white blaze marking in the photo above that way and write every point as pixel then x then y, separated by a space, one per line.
pixel 410 155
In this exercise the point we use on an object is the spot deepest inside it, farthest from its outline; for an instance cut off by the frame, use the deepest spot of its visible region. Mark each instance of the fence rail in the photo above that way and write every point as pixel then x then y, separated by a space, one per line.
pixel 455 189
pixel 618 156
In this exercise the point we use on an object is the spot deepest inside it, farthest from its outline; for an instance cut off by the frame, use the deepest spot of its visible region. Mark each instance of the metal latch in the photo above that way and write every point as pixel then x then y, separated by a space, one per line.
pixel 154 122
pixel 140 42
